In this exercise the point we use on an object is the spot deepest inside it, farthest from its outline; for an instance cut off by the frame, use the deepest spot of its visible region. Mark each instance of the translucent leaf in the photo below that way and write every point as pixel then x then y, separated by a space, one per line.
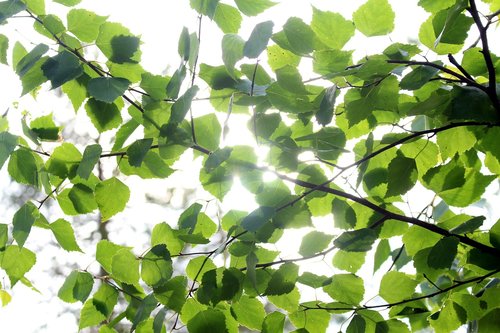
pixel 349 261
pixel 16 262
pixel 68 3
pixel 146 306
pixel 111 196
pixel 205 7
pixel 62 68
pixel 283 280
pixel 347 288
pixel 210 320
pixel 232 50
pixel 107 89
pixel 402 175
pixel 174 85
pixel 22 221
pixel 314 321
pixel 104 116
pixel 332 28
pixel 258 40
pixel 10 8
pixel 449 318
pixel 182 105
pixel 4 236
pixel 125 267
pixel 255 7
pixel 164 234
pixel 325 113
pixel 278 57
pixel 155 85
pixel 77 287
pixel 374 18
pixel 418 77
pixel 156 266
pixel 30 59
pixel 357 325
pixel 118 44
pixel 5 297
pixel 396 286
pixel 4 45
pixel 227 18
pixel 314 242
pixel 173 293
pixel 85 24
pixel 249 312
pixel 105 250
pixel 449 145
pixel 64 161
pixel 208 131
pixel 300 36
pixel 45 128
pixel 288 301
pixel 274 322
pixel 90 315
pixel 23 167
pixel 382 253
pixel 65 236
pixel 198 266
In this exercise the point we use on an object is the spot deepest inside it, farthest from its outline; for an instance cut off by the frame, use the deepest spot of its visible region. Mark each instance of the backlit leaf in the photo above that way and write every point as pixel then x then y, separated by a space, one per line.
pixel 107 89
pixel 374 18
pixel 111 196
pixel 257 42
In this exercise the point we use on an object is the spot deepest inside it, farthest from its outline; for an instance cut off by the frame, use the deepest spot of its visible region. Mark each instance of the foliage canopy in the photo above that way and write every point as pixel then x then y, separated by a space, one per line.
pixel 358 148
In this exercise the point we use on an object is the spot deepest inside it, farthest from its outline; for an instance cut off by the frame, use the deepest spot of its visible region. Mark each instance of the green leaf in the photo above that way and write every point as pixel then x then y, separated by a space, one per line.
pixel 164 234
pixel 8 143
pixel 10 8
pixel 4 45
pixel 205 7
pixel 283 280
pixel 198 266
pixel 443 253
pixel 125 267
pixel 357 325
pixel 325 113
pixel 227 18
pixel 182 105
pixel 107 89
pixel 396 286
pixel 346 288
pixel 314 321
pixel 16 262
pixel 34 77
pixel 274 322
pixel 255 7
pixel 68 3
pixel 147 305
pixel 174 85
pixel 418 77
pixel 76 287
pixel 85 24
pixel 30 59
pixel 105 250
pixel 232 51
pixel 210 320
pixel 90 158
pixel 90 315
pixel 469 226
pixel 22 221
pixel 402 175
pixel 450 317
pixel 258 218
pixel 137 151
pixel 118 44
pixel 64 161
pixel 382 253
pixel 374 18
pixel 154 85
pixel 289 78
pixel 300 36
pixel 208 131
pixel 111 196
pixel 258 40
pixel 278 57
pixel 156 266
pixel 45 128
pixel 65 236
pixel 360 240
pixel 217 158
pixel 349 261
pixel 449 145
pixel 4 236
pixel 249 312
pixel 62 68
pixel 314 242
pixel 23 167
pixel 104 116
pixel 331 28
pixel 173 293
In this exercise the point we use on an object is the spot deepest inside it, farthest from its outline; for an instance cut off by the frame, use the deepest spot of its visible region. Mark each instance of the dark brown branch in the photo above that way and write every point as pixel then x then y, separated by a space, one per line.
pixel 491 91
pixel 455 63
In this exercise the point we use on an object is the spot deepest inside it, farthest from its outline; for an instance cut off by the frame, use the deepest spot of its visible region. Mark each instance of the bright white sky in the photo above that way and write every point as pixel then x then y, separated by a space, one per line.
pixel 159 22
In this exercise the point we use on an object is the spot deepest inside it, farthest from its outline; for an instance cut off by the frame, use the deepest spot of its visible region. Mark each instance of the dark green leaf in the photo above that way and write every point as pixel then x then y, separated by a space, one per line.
pixel 300 36
pixel 210 320
pixel 118 44
pixel 45 128
pixel 217 158
pixel 360 240
pixel 76 287
pixel 23 220
pixel 23 167
pixel 258 218
pixel 182 105
pixel 283 280
pixel 184 44
pixel 147 305
pixel 173 293
pixel 232 51
pixel 10 8
pixel 357 325
pixel 82 198
pixel 156 267
pixel 258 40
pixel 402 175
pixel 418 77
pixel 107 89
pixel 137 151
pixel 8 143
pixel 381 254
pixel 90 158
pixel 469 226
pixel 443 253
pixel 62 68
pixel 174 85
pixel 325 113
pixel 29 60
pixel 104 116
